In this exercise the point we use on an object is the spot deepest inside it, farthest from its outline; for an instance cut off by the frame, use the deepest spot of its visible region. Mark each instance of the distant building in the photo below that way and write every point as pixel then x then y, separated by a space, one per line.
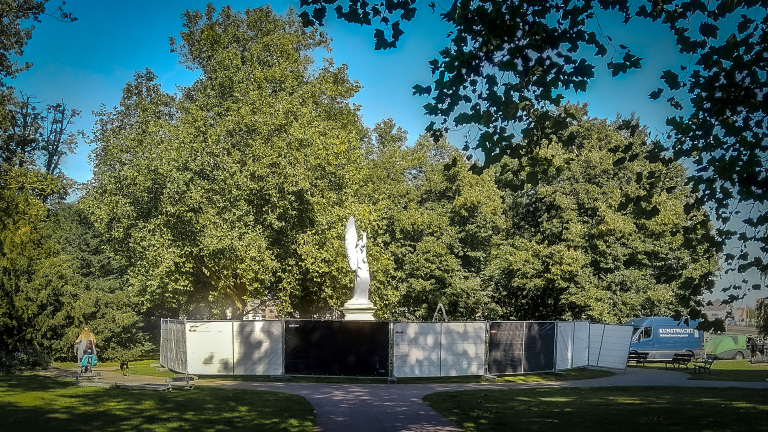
pixel 740 316
pixel 718 310
pixel 257 312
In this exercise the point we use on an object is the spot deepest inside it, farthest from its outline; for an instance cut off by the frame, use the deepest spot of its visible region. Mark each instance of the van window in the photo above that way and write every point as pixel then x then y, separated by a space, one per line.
pixel 647 332
pixel 643 333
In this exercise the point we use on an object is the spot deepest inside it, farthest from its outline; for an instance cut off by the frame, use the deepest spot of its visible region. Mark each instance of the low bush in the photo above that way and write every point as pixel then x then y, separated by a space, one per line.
pixel 29 358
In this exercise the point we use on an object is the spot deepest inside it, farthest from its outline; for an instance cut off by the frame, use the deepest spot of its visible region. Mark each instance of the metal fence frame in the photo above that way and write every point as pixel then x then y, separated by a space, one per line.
pixel 174 349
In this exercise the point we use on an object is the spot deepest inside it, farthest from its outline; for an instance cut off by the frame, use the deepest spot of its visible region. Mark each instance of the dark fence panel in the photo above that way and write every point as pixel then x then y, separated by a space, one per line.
pixel 517 347
pixel 350 348
pixel 505 347
pixel 539 347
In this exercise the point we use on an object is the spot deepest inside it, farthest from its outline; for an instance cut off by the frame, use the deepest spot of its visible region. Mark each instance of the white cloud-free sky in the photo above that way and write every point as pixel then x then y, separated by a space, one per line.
pixel 87 63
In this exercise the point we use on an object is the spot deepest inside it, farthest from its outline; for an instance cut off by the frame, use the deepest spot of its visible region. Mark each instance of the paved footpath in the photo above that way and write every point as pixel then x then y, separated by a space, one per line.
pixel 399 407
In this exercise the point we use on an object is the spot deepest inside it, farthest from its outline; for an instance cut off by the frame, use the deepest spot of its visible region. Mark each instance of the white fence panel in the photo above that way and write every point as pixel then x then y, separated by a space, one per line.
pixel 565 345
pixel 580 344
pixel 572 344
pixel 609 345
pixel 462 349
pixel 258 347
pixel 210 348
pixel 416 350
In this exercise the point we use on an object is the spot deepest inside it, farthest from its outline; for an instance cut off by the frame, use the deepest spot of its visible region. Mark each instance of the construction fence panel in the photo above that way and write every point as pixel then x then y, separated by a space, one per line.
pixel 462 348
pixel 416 349
pixel 165 345
pixel 173 345
pixel 517 347
pixel 572 344
pixel 258 347
pixel 210 347
pixel 539 346
pixel 565 345
pixel 363 348
pixel 609 345
pixel 341 348
pixel 581 344
pixel 505 347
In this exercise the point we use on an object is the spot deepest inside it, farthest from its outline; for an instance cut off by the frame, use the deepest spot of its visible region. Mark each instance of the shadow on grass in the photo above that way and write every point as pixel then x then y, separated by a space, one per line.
pixel 569 375
pixel 33 402
pixel 656 409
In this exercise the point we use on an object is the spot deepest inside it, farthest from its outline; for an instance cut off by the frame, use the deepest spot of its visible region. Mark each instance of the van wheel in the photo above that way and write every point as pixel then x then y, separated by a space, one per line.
pixel 738 356
pixel 693 356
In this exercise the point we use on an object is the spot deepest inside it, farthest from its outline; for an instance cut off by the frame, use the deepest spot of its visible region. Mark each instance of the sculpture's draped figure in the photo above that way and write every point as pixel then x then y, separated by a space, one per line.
pixel 359 308
pixel 358 261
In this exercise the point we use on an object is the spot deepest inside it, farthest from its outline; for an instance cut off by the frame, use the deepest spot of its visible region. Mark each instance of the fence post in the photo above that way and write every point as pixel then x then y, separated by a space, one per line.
pixel 600 351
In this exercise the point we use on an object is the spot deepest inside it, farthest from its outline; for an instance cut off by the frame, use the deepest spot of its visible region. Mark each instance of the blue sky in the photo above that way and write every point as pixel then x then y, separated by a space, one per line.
pixel 87 63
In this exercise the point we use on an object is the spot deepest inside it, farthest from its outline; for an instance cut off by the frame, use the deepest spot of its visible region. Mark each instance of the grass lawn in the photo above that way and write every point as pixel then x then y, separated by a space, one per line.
pixel 652 409
pixel 726 370
pixel 574 374
pixel 30 402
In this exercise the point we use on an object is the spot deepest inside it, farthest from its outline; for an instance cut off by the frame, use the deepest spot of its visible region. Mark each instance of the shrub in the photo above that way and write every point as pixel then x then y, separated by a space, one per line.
pixel 29 358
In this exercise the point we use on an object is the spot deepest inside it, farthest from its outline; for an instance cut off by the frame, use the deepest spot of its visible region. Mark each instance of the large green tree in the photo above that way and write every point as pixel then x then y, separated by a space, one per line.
pixel 237 190
pixel 506 60
pixel 431 223
pixel 590 236
pixel 31 270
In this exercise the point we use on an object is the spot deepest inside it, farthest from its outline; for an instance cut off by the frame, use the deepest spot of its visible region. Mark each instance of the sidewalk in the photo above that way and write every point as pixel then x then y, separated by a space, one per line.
pixel 399 407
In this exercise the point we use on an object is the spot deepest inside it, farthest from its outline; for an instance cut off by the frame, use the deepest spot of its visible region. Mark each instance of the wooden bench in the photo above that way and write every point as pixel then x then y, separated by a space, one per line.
pixel 637 357
pixel 706 365
pixel 680 359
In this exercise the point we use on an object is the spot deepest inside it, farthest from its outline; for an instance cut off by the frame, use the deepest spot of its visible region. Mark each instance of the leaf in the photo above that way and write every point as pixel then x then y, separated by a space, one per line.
pixel 674 103
pixel 306 21
pixel 671 79
pixel 419 90
pixel 708 30
pixel 745 24
pixel 396 33
pixel 656 94
pixel 601 51
pixel 381 41
pixel 408 14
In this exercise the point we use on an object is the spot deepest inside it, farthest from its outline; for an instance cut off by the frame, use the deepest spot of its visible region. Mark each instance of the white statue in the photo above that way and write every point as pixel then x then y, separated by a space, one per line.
pixel 358 261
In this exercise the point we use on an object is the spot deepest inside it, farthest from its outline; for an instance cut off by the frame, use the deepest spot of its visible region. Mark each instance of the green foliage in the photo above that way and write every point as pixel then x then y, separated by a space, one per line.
pixel 239 189
pixel 761 316
pixel 431 227
pixel 55 277
pixel 30 137
pixel 26 359
pixel 508 60
pixel 600 226
pixel 31 272
pixel 14 37
pixel 100 299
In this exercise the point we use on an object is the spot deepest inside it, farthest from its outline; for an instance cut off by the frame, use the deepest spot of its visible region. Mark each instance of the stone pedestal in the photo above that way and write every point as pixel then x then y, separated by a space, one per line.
pixel 357 310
